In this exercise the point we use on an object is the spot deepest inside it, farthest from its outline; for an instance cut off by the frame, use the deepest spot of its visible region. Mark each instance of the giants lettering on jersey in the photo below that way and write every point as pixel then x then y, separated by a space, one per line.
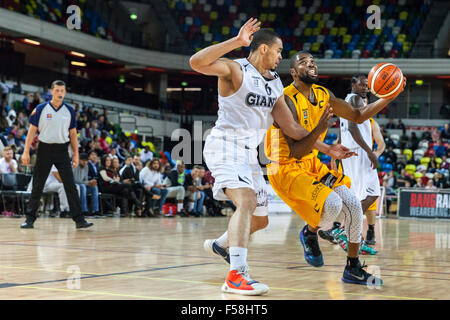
pixel 255 100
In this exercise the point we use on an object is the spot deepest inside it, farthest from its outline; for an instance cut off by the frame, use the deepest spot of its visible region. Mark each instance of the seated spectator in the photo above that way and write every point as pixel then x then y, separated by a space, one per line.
pixel 151 178
pixel 87 187
pixel 86 132
pixel 122 151
pixel 127 162
pixel 439 180
pixel 401 126
pixel 440 149
pixel 3 121
pixel 430 185
pixel 7 163
pixel 444 164
pixel 391 124
pixel 46 94
pixel 166 171
pixel 419 183
pixel 435 134
pixel 93 167
pixel 391 156
pixel 389 182
pixel 146 155
pixel 175 182
pixel 94 128
pixel 55 184
pixel 130 175
pixel 109 182
pixel 36 100
pixel 403 180
pixel 103 144
pixel 445 133
pixel 200 196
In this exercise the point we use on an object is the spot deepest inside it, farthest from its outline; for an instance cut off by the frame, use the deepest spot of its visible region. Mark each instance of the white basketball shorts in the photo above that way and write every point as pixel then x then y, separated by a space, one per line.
pixel 365 181
pixel 235 166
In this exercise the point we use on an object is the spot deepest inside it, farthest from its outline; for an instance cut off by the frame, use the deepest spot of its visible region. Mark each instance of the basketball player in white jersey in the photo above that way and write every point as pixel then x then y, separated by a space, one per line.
pixel 362 169
pixel 250 100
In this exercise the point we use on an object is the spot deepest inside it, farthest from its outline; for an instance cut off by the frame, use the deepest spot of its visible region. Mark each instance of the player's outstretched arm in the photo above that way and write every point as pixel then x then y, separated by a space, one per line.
pixel 345 110
pixel 209 60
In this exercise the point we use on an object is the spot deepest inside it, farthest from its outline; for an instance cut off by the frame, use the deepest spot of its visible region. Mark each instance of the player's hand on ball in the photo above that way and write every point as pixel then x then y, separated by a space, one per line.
pixel 246 32
pixel 338 151
pixel 324 122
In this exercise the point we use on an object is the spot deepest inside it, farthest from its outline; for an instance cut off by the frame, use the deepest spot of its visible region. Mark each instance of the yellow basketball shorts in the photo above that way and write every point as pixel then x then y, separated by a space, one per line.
pixel 305 185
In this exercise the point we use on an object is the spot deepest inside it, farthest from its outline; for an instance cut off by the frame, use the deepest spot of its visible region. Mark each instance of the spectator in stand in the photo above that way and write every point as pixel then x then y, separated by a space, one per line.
pixel 445 133
pixel 93 166
pixel 46 94
pixel 4 88
pixel 103 144
pixel 391 124
pixel 439 180
pixel 22 120
pixel 86 132
pixel 37 100
pixel 87 186
pixel 130 175
pixel 444 164
pixel 8 164
pixel 435 134
pixel 403 179
pixel 440 149
pixel 26 102
pixel 127 162
pixel 389 182
pixel 146 155
pixel 430 185
pixel 109 182
pixel 166 171
pixel 17 88
pixel 391 156
pixel 94 128
pixel 121 150
pixel 419 183
pixel 151 178
pixel 413 142
pixel 401 126
pixel 175 182
pixel 3 121
pixel 96 145
pixel 200 198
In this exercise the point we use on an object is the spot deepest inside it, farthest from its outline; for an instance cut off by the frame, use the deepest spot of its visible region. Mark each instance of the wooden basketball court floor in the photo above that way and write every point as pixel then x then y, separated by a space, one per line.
pixel 162 258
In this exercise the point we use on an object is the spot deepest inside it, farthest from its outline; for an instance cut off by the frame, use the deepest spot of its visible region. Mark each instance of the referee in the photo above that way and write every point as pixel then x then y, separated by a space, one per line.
pixel 57 127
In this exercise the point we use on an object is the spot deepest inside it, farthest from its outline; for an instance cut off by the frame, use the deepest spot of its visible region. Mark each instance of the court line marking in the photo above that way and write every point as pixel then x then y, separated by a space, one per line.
pixel 299 264
pixel 97 293
pixel 120 275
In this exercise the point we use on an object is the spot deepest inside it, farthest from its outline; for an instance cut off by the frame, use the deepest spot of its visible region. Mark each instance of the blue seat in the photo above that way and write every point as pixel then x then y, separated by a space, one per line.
pixel 386 167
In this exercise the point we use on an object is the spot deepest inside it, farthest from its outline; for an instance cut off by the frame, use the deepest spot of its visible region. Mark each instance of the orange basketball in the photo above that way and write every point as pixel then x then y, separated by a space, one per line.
pixel 385 80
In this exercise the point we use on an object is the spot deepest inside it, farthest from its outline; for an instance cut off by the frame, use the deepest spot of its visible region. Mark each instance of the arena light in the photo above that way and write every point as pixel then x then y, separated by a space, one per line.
pixel 133 16
pixel 419 82
pixel 136 74
pixel 32 42
pixel 77 54
pixel 104 61
pixel 173 89
pixel 193 89
pixel 138 89
pixel 184 84
pixel 121 79
pixel 78 64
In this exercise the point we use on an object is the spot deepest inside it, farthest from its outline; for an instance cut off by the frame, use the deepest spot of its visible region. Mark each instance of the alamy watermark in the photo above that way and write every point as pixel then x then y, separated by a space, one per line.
pixel 74 280
pixel 74 20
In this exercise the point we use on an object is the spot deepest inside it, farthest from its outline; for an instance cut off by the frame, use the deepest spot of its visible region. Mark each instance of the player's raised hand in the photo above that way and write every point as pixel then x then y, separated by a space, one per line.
pixel 324 122
pixel 338 151
pixel 246 32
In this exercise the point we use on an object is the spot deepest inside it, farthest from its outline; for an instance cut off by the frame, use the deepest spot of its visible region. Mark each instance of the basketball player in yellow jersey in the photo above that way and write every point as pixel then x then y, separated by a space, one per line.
pixel 313 191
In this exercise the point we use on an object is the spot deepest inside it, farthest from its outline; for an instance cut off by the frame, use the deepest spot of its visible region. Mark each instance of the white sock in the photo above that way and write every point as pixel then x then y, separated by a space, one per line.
pixel 191 206
pixel 238 258
pixel 179 206
pixel 222 241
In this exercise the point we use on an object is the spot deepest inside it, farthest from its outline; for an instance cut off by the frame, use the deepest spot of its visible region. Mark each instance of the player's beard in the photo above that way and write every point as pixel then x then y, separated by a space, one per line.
pixel 307 79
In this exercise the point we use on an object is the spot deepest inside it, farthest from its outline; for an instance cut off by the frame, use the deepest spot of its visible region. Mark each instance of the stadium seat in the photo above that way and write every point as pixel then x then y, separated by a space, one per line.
pixel 408 153
pixel 421 168
pixel 410 168
pixel 418 154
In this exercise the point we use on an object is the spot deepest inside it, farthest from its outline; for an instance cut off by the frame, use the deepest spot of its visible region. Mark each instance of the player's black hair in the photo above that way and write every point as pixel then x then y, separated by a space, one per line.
pixel 263 36
pixel 295 56
pixel 356 77
pixel 58 83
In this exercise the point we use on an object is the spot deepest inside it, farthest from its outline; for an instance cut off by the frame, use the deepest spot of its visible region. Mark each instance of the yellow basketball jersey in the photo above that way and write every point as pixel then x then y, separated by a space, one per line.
pixel 276 147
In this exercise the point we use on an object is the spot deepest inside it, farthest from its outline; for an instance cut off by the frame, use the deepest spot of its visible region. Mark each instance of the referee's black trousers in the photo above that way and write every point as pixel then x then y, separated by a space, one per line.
pixel 58 155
